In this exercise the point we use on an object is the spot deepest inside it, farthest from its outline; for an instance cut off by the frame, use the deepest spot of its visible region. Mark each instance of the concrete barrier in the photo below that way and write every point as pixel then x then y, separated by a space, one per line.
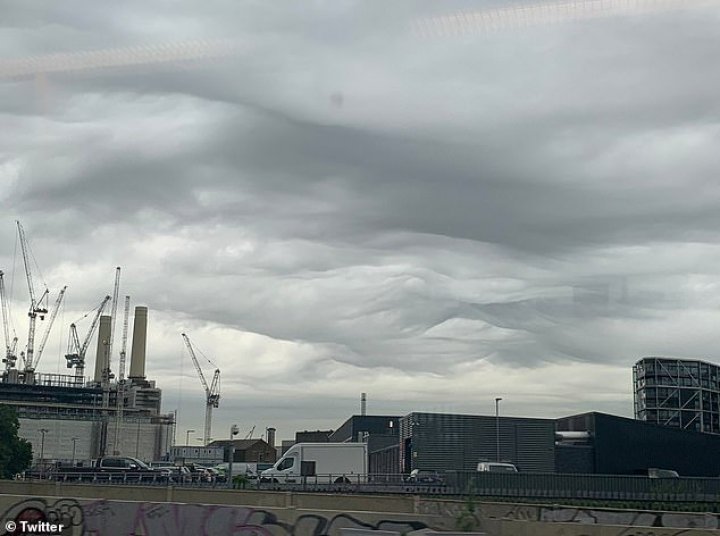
pixel 103 517
pixel 538 528
pixel 322 511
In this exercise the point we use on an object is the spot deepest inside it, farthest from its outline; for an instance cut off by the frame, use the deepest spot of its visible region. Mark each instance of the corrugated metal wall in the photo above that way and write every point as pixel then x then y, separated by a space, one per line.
pixel 446 442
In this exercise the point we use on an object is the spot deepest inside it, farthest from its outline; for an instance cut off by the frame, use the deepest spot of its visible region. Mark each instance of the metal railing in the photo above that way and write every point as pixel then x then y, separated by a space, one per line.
pixel 541 486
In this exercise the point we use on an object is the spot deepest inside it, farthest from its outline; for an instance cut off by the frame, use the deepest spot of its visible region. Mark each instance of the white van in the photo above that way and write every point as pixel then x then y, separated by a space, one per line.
pixel 326 462
pixel 496 467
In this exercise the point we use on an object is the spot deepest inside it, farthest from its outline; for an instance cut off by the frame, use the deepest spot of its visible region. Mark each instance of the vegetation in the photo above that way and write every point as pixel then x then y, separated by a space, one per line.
pixel 15 453
pixel 467 520
pixel 240 482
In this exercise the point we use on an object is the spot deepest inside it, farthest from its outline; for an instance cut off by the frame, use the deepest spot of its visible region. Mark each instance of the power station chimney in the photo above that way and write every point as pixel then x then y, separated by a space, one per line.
pixel 363 404
pixel 139 344
pixel 271 437
pixel 101 354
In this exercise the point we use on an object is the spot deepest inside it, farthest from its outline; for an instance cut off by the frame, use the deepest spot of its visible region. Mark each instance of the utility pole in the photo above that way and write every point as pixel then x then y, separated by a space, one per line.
pixel 497 428
pixel 234 430
pixel 43 431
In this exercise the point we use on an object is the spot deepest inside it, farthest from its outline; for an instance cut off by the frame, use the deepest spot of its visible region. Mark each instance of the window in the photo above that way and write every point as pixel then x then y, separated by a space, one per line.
pixel 287 463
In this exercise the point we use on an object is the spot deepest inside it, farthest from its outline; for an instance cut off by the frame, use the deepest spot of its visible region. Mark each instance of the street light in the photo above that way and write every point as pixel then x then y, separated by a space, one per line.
pixel 43 431
pixel 187 436
pixel 74 440
pixel 234 430
pixel 497 428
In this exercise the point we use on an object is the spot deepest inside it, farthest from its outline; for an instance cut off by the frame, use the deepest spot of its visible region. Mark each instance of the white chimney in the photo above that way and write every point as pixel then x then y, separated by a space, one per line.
pixel 103 341
pixel 139 344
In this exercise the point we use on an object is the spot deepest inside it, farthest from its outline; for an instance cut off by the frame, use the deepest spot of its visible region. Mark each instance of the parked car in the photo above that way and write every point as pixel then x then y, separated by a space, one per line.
pixel 177 474
pixel 112 468
pixel 662 473
pixel 421 476
pixel 200 474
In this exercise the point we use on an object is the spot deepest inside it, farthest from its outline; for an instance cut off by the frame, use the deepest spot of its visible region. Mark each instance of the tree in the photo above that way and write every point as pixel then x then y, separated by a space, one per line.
pixel 15 453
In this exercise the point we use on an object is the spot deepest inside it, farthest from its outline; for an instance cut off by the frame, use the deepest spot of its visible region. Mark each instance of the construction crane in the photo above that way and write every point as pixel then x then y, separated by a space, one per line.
pixel 212 392
pixel 106 374
pixel 36 305
pixel 10 344
pixel 250 434
pixel 120 406
pixel 76 352
pixel 51 321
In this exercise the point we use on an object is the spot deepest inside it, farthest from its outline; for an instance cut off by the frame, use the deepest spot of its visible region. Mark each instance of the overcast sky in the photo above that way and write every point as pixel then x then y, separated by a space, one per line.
pixel 346 204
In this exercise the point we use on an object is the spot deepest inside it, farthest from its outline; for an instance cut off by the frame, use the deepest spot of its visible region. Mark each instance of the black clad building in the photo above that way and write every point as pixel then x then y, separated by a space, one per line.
pixel 620 446
pixel 381 433
pixel 451 442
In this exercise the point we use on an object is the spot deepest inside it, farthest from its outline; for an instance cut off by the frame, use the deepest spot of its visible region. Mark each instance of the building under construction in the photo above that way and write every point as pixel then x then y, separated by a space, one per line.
pixel 72 420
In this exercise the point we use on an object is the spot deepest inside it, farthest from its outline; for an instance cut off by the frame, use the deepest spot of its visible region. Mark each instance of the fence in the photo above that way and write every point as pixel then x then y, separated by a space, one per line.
pixel 579 486
pixel 544 486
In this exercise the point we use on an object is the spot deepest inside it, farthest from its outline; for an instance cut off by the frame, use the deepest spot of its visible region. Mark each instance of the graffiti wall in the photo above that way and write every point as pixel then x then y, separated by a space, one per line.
pixel 121 518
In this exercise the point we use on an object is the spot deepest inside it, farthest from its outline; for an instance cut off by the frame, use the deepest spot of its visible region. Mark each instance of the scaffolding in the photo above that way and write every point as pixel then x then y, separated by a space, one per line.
pixel 680 393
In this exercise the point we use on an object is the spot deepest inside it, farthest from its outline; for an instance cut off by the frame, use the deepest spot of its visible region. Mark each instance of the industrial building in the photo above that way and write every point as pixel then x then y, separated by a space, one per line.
pixel 247 450
pixel 313 436
pixel 206 456
pixel 607 444
pixel 73 420
pixel 381 433
pixel 679 393
pixel 447 442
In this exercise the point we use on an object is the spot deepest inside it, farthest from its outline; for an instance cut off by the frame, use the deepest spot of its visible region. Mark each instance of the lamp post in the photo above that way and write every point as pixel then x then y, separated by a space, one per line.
pixel 234 430
pixel 74 440
pixel 187 436
pixel 497 428
pixel 43 431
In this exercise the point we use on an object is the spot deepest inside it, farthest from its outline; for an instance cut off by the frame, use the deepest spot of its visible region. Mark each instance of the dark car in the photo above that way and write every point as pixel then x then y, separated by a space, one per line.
pixel 421 476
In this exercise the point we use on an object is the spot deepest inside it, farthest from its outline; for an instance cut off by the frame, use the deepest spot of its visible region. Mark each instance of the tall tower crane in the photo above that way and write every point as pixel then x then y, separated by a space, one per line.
pixel 212 392
pixel 51 321
pixel 106 370
pixel 76 352
pixel 113 318
pixel 120 406
pixel 10 344
pixel 36 305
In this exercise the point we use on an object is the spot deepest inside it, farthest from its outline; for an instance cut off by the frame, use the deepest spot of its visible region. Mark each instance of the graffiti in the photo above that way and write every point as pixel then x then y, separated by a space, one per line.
pixel 66 512
pixel 523 512
pixel 629 518
pixel 118 518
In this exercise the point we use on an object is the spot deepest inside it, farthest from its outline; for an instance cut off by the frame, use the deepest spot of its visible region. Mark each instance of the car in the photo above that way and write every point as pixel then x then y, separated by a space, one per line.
pixel 496 467
pixel 421 476
pixel 200 474
pixel 174 473
pixel 662 473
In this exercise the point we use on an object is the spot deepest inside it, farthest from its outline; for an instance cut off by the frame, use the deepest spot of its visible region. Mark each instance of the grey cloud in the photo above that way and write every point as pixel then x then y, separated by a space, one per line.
pixel 372 202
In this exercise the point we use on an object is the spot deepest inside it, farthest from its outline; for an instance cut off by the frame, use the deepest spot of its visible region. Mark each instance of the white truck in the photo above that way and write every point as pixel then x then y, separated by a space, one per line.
pixel 321 463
